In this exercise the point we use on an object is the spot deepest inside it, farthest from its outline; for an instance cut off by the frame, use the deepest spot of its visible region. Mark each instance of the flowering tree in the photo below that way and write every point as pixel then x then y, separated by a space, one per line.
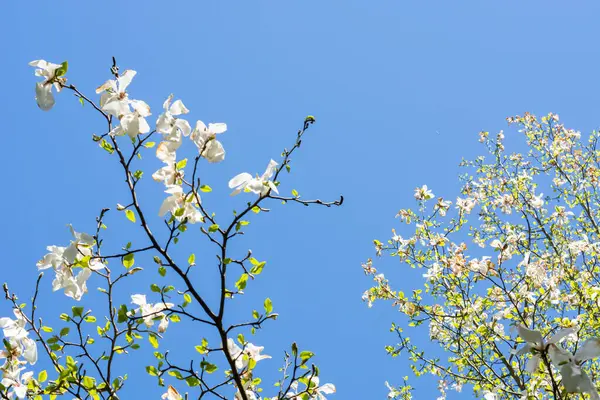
pixel 510 272
pixel 84 352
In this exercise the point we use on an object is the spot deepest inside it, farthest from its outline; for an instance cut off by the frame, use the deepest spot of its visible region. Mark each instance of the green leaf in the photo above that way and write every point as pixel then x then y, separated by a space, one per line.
pixel 205 188
pixel 155 288
pixel 82 101
pixel 149 145
pixel 130 215
pixel 306 355
pixel 62 70
pixel 187 299
pixel 181 164
pixel 153 341
pixel 294 193
pixel 90 319
pixel 241 283
pixel 42 376
pixel 192 259
pixel 128 260
pixel 309 119
pixel 151 370
pixel 213 228
pixel 64 331
pixel 256 209
pixel 77 311
pixel 107 146
pixel 268 306
pixel 162 271
pixel 208 367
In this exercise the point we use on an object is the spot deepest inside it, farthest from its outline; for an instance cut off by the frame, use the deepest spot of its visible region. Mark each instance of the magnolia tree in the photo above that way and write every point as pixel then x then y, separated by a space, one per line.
pixel 85 349
pixel 510 271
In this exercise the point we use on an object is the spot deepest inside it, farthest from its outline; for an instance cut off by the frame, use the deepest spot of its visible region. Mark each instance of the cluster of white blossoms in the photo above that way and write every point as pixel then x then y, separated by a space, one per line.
pixel 17 344
pixel 74 264
pixel 66 260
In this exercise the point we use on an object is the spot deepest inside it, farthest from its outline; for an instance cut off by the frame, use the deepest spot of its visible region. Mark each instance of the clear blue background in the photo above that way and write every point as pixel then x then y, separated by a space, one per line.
pixel 400 90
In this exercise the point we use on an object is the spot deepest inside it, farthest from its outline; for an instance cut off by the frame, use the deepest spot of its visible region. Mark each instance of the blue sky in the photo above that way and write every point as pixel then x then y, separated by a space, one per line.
pixel 399 89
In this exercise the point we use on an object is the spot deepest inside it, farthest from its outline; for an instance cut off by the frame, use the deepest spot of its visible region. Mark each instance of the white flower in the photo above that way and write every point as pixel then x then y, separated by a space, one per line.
pixel 443 206
pixel 180 205
pixel 166 152
pixel 537 202
pixel 151 312
pixel 134 123
pixel 242 357
pixel 259 185
pixel 535 344
pixel 14 328
pixel 465 205
pixel 167 122
pixel 575 379
pixel 114 99
pixel 64 259
pixel 13 380
pixel 74 285
pixel 172 394
pixel 423 193
pixel 205 139
pixel 561 215
pixel 52 74
pixel 319 392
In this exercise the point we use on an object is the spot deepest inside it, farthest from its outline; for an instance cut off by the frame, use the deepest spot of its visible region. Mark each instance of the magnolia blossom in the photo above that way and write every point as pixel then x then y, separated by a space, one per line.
pixel 561 216
pixel 166 152
pixel 114 99
pixel 65 259
pixel 243 356
pixel 16 339
pixel 205 139
pixel 423 193
pixel 171 394
pixel 16 382
pixel 574 378
pixel 134 123
pixel 168 123
pixel 14 328
pixel 316 392
pixel 150 312
pixel 537 202
pixel 180 205
pixel 259 185
pixel 535 344
pixel 465 205
pixel 442 206
pixel 52 74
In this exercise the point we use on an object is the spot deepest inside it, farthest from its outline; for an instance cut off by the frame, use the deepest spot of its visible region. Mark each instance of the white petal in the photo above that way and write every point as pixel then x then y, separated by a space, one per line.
pixel 529 336
pixel 214 151
pixel 217 128
pixel 184 126
pixel 178 108
pixel 590 349
pixel 240 180
pixel 141 107
pixel 271 168
pixel 125 79
pixel 327 388
pixel 561 334
pixel 44 96
pixel 138 299
pixel 533 364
